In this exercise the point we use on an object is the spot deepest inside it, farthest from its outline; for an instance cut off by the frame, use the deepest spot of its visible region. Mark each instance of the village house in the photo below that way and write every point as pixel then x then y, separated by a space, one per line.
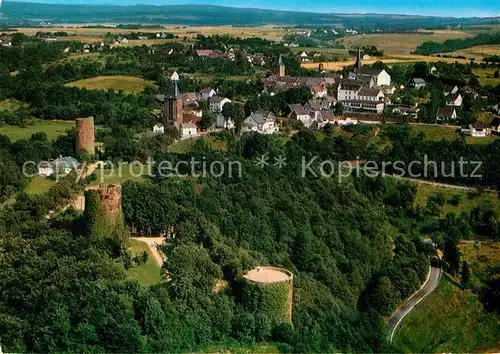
pixel 454 99
pixel 222 123
pixel 6 41
pixel 446 113
pixel 355 98
pixel 61 166
pixel 299 113
pixel 261 121
pixel 406 111
pixel 477 130
pixel 495 125
pixel 206 93
pixel 417 83
pixel 303 57
pixel 122 40
pixel 188 130
pixel 217 103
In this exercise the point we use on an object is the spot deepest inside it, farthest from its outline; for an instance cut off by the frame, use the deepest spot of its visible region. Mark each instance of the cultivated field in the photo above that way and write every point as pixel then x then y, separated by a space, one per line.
pixel 478 52
pixel 401 42
pixel 485 76
pixel 400 58
pixel 449 320
pixel 128 84
pixel 53 129
pixel 266 32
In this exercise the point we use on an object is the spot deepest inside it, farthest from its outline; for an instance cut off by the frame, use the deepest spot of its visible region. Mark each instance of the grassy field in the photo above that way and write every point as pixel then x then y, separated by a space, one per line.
pixel 120 175
pixel 436 132
pixel 148 273
pixel 485 76
pixel 484 259
pixel 128 84
pixel 52 128
pixel 469 200
pixel 39 185
pixel 449 320
pixel 184 146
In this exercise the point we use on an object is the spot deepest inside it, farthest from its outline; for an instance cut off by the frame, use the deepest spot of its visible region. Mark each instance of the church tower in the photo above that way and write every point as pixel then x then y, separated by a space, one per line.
pixel 282 66
pixel 359 60
pixel 172 107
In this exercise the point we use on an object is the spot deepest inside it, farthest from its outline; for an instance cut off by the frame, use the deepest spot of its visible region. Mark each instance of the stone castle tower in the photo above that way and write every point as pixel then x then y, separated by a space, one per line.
pixel 172 107
pixel 281 64
pixel 85 135
pixel 103 210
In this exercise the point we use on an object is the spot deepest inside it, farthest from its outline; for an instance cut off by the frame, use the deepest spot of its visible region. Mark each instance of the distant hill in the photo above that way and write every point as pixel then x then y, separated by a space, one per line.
pixel 215 15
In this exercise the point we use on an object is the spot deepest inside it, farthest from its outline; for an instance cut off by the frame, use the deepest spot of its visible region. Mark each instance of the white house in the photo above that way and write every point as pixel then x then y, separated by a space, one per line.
pixel 477 130
pixel 61 166
pixel 433 70
pixel 222 123
pixel 454 99
pixel 188 130
pixel 159 128
pixel 446 113
pixel 299 113
pixel 303 57
pixel 406 111
pixel 206 93
pixel 380 76
pixel 357 99
pixel 261 121
pixel 217 103
pixel 417 83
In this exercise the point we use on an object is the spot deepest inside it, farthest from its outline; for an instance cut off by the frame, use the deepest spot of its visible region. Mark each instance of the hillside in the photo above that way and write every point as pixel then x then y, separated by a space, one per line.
pixel 215 15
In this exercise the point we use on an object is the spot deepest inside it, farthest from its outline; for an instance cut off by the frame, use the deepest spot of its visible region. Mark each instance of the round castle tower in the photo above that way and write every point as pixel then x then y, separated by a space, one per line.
pixel 85 135
pixel 275 287
pixel 103 209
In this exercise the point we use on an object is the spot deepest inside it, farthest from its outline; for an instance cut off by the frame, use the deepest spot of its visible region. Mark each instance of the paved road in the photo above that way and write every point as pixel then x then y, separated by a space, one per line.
pixel 438 184
pixel 405 309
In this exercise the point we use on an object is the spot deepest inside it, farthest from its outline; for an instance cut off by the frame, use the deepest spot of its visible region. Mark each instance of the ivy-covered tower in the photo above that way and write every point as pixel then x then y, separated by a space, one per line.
pixel 271 290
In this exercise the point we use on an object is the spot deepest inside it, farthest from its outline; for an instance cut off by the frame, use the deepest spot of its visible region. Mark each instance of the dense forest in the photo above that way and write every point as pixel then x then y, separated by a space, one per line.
pixel 451 45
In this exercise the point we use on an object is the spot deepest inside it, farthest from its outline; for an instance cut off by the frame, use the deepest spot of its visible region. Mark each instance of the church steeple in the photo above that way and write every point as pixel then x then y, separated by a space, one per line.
pixel 282 66
pixel 173 106
pixel 359 60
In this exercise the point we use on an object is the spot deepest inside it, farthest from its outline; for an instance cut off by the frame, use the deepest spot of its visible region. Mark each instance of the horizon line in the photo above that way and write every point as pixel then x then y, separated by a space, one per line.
pixel 3 2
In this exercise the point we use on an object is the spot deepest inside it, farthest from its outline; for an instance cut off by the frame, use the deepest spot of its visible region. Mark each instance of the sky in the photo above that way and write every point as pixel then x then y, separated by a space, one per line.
pixel 455 8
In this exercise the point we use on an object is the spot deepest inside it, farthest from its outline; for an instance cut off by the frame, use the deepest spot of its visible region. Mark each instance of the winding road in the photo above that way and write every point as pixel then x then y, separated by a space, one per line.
pixel 428 287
